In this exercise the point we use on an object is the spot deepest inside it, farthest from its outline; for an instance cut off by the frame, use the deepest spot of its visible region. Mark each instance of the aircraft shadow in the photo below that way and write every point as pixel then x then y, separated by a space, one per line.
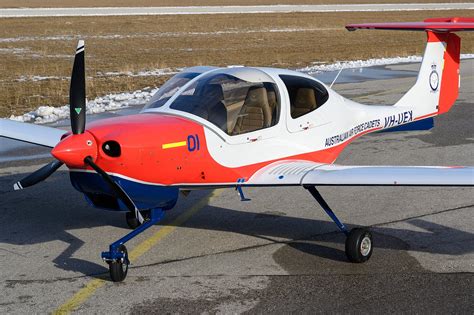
pixel 295 231
pixel 50 210
pixel 46 213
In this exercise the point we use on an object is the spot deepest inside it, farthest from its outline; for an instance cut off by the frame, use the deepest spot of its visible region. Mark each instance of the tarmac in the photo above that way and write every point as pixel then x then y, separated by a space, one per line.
pixel 278 253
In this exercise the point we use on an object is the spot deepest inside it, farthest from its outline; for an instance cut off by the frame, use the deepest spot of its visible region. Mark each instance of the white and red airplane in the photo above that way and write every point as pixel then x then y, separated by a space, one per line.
pixel 211 127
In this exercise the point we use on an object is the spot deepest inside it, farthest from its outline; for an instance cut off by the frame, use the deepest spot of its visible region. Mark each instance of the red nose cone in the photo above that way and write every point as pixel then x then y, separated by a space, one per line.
pixel 74 148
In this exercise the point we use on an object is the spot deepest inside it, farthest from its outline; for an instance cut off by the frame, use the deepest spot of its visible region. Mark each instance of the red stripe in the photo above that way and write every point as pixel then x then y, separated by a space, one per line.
pixel 426 116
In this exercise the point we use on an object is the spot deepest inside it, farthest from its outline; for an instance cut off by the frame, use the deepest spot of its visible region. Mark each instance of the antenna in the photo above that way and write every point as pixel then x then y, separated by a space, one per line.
pixel 337 76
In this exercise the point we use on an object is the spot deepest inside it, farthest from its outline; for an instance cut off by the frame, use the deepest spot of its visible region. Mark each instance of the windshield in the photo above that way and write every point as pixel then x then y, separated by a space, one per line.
pixel 168 89
pixel 234 105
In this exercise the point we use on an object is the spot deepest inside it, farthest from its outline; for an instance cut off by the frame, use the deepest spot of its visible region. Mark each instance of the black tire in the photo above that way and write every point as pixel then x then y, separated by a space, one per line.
pixel 359 245
pixel 132 222
pixel 118 269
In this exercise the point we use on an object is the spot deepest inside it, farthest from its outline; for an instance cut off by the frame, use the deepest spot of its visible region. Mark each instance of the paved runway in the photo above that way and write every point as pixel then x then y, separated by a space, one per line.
pixel 278 253
pixel 37 12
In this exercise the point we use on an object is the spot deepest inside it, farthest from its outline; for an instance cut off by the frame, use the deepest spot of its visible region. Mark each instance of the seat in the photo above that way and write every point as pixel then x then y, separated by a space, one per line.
pixel 255 113
pixel 216 111
pixel 304 102
pixel 272 101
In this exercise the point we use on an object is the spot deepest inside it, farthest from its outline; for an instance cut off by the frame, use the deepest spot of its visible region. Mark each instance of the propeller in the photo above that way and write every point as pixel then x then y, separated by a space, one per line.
pixel 38 175
pixel 72 147
pixel 77 92
pixel 77 100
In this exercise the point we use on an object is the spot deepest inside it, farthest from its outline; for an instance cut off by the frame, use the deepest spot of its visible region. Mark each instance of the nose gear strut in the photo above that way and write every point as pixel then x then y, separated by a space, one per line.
pixel 117 256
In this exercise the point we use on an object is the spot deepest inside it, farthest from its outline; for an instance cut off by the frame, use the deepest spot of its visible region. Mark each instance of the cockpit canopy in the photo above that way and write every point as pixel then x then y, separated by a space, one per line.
pixel 173 85
pixel 237 100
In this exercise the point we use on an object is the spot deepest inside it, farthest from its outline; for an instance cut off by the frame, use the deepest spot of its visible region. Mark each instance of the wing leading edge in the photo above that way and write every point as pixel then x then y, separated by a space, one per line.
pixel 41 135
pixel 307 173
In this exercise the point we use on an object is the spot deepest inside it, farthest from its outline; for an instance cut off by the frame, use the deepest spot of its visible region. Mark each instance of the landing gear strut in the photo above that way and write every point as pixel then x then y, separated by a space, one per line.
pixel 359 244
pixel 117 256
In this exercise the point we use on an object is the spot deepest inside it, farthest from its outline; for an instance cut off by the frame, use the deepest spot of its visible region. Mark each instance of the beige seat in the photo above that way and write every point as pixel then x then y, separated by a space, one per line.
pixel 304 102
pixel 272 101
pixel 255 113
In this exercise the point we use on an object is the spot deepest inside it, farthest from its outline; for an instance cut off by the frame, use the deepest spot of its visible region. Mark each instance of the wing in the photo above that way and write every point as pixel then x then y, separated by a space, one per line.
pixel 41 135
pixel 288 173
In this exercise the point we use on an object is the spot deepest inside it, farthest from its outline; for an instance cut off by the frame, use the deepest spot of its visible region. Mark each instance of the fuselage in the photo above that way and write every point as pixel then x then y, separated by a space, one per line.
pixel 175 145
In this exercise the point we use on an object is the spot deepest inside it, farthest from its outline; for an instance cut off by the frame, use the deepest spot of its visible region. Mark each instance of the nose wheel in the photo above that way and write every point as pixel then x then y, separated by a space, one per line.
pixel 118 268
pixel 117 256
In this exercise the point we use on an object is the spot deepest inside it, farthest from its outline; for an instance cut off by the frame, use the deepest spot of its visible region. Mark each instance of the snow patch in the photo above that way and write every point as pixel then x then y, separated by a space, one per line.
pixel 366 63
pixel 160 34
pixel 36 78
pixel 48 114
pixel 15 51
pixel 147 73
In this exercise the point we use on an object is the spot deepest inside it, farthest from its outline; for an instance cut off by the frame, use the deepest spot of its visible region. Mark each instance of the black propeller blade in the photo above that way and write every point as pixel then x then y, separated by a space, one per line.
pixel 77 101
pixel 38 175
pixel 77 92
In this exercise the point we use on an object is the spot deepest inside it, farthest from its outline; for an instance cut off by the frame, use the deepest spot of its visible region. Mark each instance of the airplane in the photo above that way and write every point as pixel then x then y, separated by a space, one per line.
pixel 235 127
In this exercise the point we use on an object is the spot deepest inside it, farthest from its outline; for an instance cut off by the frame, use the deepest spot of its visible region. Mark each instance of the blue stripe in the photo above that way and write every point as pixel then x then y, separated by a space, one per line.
pixel 425 124
pixel 143 195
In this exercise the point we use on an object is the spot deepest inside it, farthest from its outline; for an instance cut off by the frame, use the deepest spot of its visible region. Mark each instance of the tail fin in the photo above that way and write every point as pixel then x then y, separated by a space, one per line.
pixel 437 86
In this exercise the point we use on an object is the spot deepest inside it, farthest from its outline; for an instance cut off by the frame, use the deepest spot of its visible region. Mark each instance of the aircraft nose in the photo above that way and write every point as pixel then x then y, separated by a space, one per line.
pixel 73 149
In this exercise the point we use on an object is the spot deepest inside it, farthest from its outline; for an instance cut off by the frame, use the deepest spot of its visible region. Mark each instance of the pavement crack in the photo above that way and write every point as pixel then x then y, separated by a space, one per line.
pixel 325 274
pixel 12 252
pixel 236 250
pixel 422 215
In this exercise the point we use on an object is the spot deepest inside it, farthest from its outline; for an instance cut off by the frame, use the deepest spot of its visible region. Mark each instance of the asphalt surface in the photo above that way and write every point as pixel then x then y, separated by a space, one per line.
pixel 277 253
pixel 37 12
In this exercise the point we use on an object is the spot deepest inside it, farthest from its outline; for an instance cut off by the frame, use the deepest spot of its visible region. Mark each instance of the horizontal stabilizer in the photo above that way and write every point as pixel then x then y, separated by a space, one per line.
pixel 455 24
pixel 41 135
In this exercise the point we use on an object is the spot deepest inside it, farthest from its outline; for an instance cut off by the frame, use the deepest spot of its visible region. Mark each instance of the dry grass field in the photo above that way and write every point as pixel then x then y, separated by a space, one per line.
pixel 44 47
pixel 158 3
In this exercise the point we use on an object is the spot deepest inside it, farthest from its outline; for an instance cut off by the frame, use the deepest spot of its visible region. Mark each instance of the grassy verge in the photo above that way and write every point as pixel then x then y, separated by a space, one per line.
pixel 44 47
pixel 159 3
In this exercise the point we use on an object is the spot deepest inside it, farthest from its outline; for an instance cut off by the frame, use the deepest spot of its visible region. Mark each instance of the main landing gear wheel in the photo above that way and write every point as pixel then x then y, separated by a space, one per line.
pixel 359 245
pixel 118 269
